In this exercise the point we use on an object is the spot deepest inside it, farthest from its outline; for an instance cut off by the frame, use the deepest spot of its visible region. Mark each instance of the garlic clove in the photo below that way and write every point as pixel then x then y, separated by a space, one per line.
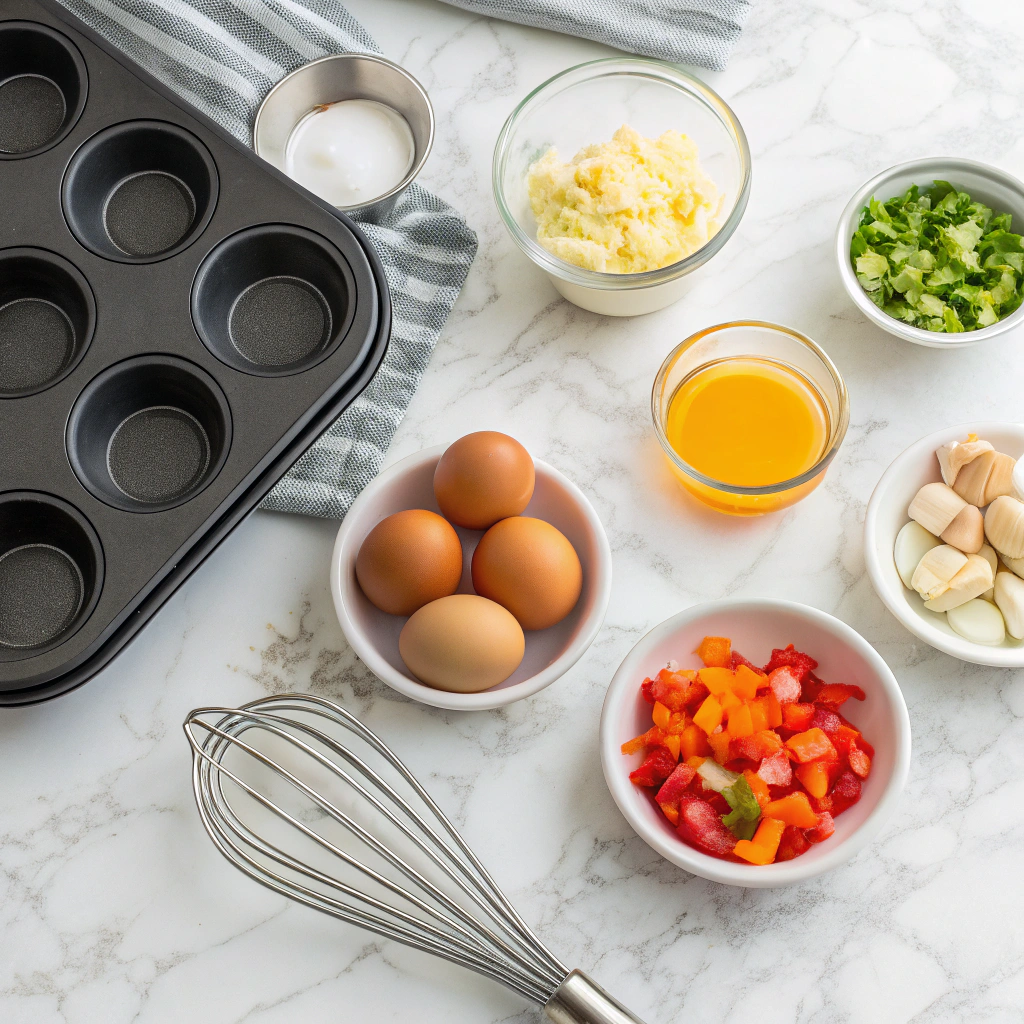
pixel 1010 601
pixel 935 570
pixel 955 455
pixel 1015 565
pixel 989 554
pixel 935 506
pixel 978 621
pixel 1017 480
pixel 913 542
pixel 970 582
pixel 985 478
pixel 966 531
pixel 1004 526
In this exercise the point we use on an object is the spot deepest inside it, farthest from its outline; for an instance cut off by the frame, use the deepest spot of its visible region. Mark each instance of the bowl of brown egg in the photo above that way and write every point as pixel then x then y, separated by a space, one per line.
pixel 472 575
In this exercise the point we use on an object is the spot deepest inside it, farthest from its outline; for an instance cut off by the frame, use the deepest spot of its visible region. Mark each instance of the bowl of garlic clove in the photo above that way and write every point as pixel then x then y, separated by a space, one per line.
pixel 944 542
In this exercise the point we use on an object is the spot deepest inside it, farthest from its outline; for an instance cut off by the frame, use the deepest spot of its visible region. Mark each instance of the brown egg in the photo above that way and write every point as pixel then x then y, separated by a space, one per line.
pixel 462 644
pixel 482 478
pixel 530 568
pixel 408 560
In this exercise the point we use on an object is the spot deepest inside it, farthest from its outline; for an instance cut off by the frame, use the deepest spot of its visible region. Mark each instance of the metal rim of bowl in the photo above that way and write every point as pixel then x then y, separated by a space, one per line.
pixel 484 700
pixel 955 646
pixel 623 687
pixel 844 232
pixel 836 438
pixel 670 75
pixel 375 58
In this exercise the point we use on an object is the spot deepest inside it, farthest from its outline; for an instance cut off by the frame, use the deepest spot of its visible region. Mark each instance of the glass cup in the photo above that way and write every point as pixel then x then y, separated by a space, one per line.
pixel 744 340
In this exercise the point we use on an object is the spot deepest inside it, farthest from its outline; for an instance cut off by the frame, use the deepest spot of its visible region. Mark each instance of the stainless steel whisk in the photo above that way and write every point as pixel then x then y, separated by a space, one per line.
pixel 319 811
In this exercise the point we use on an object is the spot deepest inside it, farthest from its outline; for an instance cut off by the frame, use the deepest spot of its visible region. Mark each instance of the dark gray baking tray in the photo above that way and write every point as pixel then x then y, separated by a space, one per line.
pixel 178 323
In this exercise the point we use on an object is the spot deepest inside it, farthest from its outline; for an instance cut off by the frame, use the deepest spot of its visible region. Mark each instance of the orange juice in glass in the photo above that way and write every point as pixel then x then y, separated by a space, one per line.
pixel 750 415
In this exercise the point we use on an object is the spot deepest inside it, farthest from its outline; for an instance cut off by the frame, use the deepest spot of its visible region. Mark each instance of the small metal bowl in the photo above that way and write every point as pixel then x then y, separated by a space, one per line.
pixel 346 76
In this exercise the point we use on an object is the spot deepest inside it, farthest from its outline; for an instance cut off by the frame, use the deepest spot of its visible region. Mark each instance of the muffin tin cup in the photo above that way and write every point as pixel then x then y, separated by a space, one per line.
pixel 43 88
pixel 140 191
pixel 149 433
pixel 47 319
pixel 51 572
pixel 273 300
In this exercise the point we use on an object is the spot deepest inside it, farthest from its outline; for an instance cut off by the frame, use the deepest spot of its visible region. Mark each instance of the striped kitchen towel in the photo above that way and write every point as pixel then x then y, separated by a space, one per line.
pixel 223 56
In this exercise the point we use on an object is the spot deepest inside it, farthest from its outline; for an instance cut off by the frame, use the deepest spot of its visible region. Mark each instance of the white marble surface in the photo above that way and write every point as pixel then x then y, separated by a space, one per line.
pixel 114 906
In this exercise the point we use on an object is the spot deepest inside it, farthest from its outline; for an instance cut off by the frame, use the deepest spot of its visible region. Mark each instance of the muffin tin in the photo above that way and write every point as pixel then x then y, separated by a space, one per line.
pixel 178 322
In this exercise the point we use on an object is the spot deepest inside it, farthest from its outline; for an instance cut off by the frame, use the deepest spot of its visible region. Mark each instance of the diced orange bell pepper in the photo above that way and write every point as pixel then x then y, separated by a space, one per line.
pixel 672 743
pixel 773 709
pixel 745 682
pixel 758 715
pixel 661 715
pixel 719 742
pixel 694 743
pixel 794 809
pixel 695 762
pixel 740 722
pixel 729 700
pixel 810 745
pixel 717 680
pixel 813 777
pixel 715 651
pixel 759 788
pixel 709 715
pixel 765 844
pixel 677 723
pixel 645 739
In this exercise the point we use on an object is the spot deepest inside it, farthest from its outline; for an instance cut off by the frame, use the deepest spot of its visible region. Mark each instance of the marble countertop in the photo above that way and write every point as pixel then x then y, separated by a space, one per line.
pixel 115 907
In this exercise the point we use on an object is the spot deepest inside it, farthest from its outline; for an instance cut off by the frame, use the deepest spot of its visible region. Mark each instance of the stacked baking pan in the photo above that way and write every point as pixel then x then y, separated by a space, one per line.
pixel 178 322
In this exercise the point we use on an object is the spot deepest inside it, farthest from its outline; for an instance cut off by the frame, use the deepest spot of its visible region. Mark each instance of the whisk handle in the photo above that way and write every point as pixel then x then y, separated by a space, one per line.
pixel 578 1000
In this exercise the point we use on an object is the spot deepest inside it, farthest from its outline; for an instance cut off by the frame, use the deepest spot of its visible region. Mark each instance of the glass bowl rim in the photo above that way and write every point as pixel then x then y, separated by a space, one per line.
pixel 675 78
pixel 836 436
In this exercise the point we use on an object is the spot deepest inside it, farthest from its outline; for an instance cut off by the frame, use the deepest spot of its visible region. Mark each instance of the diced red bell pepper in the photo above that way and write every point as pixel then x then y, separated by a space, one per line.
pixel 758 746
pixel 652 737
pixel 834 695
pixel 843 738
pixel 776 769
pixel 792 844
pixel 810 746
pixel 673 788
pixel 673 689
pixel 822 804
pixel 791 657
pixel 860 763
pixel 862 744
pixel 785 684
pixel 827 721
pixel 798 717
pixel 811 685
pixel 738 659
pixel 657 766
pixel 701 825
pixel 715 651
pixel 845 793
pixel 822 831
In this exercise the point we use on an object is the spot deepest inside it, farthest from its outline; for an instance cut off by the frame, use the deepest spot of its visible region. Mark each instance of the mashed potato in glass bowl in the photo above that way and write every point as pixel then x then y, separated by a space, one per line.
pixel 658 184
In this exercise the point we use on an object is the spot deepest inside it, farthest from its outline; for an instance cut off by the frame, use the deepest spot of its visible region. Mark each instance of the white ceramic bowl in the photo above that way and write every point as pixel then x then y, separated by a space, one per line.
pixel 989 185
pixel 886 516
pixel 755 627
pixel 549 653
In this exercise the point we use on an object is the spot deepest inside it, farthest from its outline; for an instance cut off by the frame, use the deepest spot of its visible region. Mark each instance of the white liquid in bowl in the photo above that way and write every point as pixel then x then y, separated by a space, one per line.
pixel 351 152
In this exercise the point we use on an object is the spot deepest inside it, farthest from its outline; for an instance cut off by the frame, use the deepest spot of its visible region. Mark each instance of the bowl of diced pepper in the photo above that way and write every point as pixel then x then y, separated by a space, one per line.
pixel 755 742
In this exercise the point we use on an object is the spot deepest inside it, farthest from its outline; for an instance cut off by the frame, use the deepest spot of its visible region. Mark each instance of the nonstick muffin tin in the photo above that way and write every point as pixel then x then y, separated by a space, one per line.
pixel 178 322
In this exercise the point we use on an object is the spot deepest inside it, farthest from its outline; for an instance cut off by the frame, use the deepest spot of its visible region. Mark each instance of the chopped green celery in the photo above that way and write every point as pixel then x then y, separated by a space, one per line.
pixel 746 811
pixel 968 253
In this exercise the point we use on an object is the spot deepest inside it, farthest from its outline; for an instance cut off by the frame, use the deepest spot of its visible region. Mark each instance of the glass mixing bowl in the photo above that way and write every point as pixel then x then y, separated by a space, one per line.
pixel 744 340
pixel 588 104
